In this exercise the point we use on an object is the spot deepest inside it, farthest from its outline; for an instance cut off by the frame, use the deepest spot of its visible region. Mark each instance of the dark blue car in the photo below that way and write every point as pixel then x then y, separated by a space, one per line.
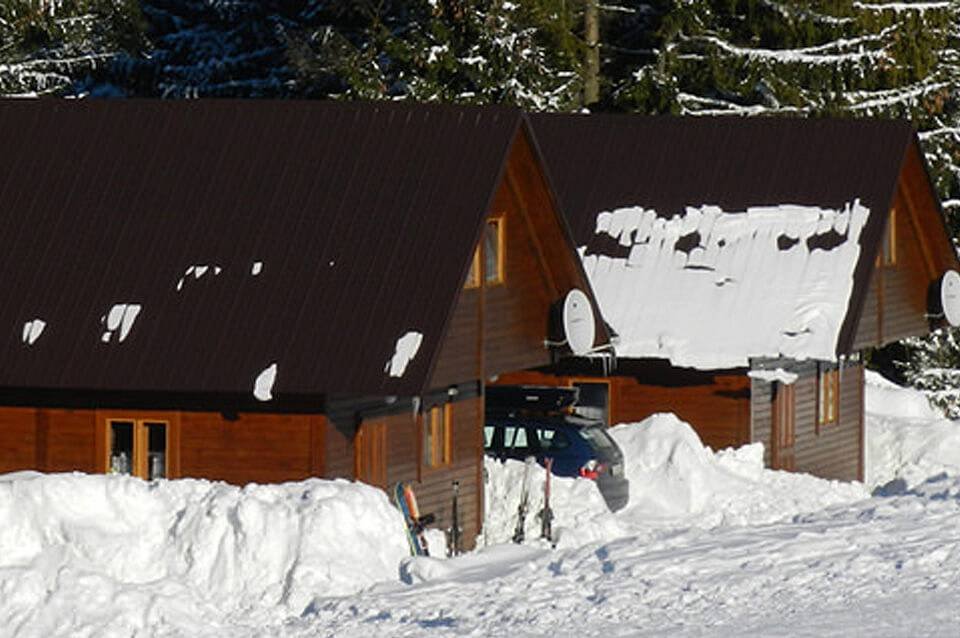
pixel 578 447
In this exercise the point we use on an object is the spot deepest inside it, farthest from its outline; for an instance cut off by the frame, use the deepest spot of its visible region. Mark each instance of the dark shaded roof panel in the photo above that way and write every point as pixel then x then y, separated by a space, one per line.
pixel 604 162
pixel 362 218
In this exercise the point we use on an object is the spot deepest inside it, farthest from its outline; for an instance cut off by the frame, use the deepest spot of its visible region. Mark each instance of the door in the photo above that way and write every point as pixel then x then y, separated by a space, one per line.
pixel 370 453
pixel 784 426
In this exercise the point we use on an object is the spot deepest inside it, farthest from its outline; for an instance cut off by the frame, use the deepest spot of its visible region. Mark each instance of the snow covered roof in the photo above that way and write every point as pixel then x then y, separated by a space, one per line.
pixel 712 240
pixel 310 235
pixel 710 289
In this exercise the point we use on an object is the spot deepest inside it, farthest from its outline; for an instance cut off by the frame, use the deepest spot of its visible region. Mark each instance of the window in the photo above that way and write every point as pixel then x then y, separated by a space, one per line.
pixel 370 453
pixel 785 407
pixel 138 447
pixel 889 256
pixel 473 277
pixel 436 436
pixel 828 395
pixel 493 251
pixel 490 267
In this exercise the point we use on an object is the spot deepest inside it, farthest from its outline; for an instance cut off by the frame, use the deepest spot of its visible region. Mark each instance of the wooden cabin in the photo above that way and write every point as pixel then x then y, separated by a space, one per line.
pixel 256 291
pixel 743 266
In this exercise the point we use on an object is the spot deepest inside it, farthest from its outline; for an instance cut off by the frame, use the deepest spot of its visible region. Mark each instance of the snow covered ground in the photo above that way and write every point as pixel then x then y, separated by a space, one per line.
pixel 711 544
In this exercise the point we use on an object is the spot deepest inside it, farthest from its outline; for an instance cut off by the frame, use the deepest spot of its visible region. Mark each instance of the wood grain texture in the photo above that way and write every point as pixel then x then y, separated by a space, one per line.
pixel 833 451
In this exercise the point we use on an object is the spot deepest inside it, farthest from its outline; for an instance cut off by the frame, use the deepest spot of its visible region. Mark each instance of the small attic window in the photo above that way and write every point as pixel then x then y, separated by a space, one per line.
pixel 889 255
pixel 493 251
pixel 473 277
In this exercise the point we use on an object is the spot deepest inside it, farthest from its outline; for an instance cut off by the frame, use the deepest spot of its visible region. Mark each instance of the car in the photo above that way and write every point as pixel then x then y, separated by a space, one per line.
pixel 536 427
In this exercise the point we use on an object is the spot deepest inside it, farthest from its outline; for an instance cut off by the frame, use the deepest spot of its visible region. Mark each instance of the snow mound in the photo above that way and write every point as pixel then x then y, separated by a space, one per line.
pixel 115 555
pixel 908 440
pixel 674 476
pixel 887 398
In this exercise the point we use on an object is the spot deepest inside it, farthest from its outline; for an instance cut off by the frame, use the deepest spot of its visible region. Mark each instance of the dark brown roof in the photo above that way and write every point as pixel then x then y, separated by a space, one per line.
pixel 364 217
pixel 605 162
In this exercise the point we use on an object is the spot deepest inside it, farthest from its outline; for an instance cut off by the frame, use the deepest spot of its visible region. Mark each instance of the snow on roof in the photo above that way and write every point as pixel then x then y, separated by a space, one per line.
pixel 711 289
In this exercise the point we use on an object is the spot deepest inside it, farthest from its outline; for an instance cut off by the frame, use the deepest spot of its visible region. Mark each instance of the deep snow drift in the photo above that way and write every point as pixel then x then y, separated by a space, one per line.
pixel 711 542
pixel 102 555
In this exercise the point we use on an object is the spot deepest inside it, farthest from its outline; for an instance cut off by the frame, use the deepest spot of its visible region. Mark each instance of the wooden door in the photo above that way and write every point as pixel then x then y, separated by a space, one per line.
pixel 784 426
pixel 370 453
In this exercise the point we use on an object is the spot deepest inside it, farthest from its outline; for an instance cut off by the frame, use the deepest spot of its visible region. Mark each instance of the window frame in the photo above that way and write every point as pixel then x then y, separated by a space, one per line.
pixel 473 275
pixel 828 396
pixel 140 447
pixel 436 452
pixel 888 249
pixel 498 222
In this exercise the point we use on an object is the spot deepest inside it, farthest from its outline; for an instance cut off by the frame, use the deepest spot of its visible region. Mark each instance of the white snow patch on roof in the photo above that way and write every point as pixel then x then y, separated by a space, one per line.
pixel 711 289
pixel 196 271
pixel 263 386
pixel 32 331
pixel 120 318
pixel 405 350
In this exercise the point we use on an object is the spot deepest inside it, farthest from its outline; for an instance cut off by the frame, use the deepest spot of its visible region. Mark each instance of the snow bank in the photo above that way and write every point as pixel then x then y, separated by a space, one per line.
pixel 674 481
pixel 113 555
pixel 674 476
pixel 908 440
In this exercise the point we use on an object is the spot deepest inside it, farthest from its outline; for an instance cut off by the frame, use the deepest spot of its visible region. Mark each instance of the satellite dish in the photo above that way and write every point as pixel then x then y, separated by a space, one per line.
pixel 950 297
pixel 579 326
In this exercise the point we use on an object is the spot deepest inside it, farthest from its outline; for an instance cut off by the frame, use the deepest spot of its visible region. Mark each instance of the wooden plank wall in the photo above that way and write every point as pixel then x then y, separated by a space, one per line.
pixel 896 302
pixel 258 448
pixel 833 451
pixel 718 408
pixel 434 493
pixel 263 448
pixel 47 440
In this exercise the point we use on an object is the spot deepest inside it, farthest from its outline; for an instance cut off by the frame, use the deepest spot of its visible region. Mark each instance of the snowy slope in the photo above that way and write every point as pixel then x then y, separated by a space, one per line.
pixel 711 544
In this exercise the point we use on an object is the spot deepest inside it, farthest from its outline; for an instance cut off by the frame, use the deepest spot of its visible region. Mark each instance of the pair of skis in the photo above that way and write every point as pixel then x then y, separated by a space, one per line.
pixel 546 514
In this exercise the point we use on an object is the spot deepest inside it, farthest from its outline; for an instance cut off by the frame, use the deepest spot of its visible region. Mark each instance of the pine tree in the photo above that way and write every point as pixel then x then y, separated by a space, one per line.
pixel 46 46
pixel 465 51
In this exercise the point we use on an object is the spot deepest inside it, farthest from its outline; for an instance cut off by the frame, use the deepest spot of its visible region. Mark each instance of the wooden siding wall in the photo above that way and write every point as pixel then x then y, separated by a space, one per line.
pixel 263 448
pixel 896 302
pixel 540 267
pixel 47 440
pixel 833 451
pixel 260 448
pixel 435 490
pixel 717 406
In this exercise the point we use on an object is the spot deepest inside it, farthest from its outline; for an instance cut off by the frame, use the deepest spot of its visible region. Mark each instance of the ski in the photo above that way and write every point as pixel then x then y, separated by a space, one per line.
pixel 455 531
pixel 519 532
pixel 406 501
pixel 546 514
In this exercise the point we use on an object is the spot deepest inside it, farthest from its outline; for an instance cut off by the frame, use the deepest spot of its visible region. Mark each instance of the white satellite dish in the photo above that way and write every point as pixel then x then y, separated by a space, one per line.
pixel 950 297
pixel 579 326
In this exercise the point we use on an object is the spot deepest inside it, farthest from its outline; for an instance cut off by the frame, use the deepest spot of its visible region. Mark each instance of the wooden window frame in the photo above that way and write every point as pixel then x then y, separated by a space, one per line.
pixel 473 276
pixel 786 406
pixel 888 249
pixel 828 396
pixel 139 461
pixel 436 456
pixel 498 222
pixel 371 469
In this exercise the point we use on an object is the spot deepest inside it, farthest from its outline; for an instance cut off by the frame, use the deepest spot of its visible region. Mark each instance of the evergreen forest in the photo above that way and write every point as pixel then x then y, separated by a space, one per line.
pixel 802 58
